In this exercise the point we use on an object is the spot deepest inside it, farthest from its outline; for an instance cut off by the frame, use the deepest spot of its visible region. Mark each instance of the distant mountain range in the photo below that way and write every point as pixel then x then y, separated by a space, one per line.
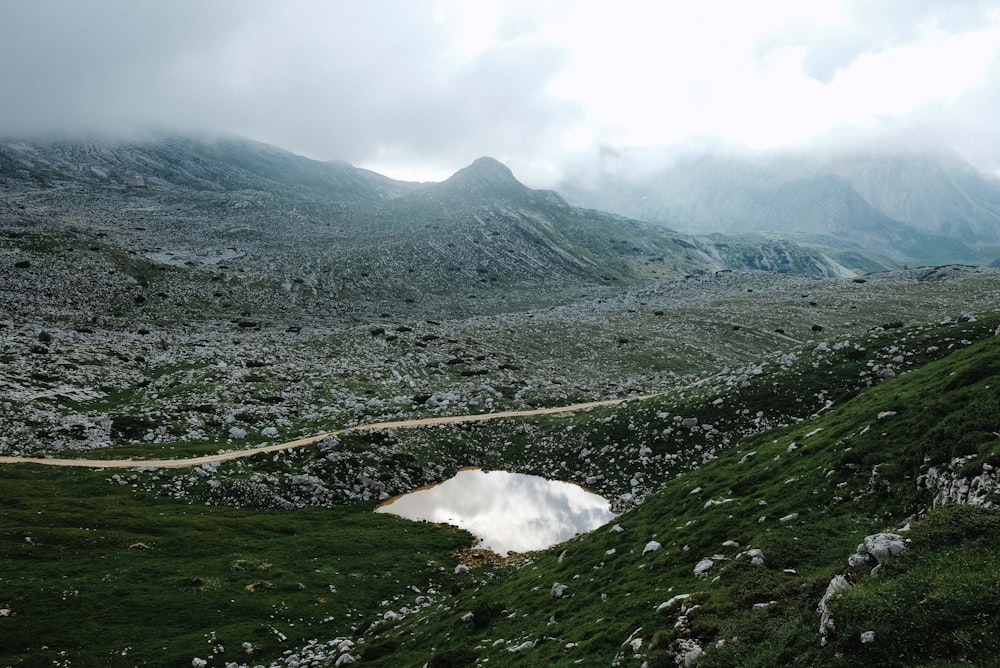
pixel 332 231
pixel 913 208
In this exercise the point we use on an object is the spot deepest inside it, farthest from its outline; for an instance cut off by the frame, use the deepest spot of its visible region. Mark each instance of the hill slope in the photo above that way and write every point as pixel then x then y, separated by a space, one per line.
pixel 205 560
pixel 328 234
pixel 727 565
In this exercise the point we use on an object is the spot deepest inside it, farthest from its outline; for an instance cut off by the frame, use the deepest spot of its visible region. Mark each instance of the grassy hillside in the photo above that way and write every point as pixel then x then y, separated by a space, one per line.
pixel 97 575
pixel 805 495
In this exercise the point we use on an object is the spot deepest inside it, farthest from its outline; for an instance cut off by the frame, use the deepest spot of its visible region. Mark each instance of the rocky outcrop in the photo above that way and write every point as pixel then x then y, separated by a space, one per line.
pixel 837 584
pixel 949 486
pixel 880 546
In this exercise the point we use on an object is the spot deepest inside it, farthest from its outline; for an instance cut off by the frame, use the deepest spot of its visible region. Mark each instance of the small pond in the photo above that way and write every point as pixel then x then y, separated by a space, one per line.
pixel 508 511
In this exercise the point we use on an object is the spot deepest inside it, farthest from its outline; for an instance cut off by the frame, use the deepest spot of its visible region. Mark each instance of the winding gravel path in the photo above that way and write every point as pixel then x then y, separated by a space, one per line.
pixel 309 440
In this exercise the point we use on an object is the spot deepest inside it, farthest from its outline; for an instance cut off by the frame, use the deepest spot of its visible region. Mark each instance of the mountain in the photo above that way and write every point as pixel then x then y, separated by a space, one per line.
pixel 266 221
pixel 917 208
pixel 937 193
pixel 184 163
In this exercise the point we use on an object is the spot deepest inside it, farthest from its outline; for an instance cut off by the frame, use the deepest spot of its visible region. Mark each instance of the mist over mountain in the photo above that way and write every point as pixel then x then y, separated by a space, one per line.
pixel 332 234
pixel 922 208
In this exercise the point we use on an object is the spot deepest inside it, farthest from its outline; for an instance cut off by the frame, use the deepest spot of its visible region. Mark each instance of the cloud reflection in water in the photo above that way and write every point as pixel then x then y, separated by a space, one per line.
pixel 508 511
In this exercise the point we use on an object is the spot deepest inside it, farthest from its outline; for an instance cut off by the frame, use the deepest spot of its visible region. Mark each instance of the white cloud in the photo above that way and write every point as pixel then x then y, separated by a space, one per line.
pixel 422 87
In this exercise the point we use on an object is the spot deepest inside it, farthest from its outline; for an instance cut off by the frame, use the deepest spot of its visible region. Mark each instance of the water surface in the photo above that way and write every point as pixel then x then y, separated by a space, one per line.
pixel 508 511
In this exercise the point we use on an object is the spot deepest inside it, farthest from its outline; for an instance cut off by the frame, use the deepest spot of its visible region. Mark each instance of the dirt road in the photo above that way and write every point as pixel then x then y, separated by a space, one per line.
pixel 309 440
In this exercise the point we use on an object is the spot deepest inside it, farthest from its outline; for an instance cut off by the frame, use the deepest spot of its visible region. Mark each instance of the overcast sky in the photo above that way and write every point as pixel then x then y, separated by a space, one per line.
pixel 419 88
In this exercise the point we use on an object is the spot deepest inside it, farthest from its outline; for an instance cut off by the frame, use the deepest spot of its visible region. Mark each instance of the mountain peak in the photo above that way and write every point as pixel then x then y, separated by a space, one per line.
pixel 485 175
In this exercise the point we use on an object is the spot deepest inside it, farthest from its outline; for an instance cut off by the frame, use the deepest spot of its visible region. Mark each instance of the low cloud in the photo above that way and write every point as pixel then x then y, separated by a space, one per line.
pixel 422 87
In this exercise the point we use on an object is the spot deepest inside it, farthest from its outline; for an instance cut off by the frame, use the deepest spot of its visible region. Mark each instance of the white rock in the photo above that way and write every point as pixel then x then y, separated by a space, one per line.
pixel 856 560
pixel 237 433
pixel 688 651
pixel 198 663
pixel 789 518
pixel 344 659
pixel 461 568
pixel 269 432
pixel 837 584
pixel 520 648
pixel 867 637
pixel 671 601
pixel 883 546
pixel 702 566
pixel 651 546
pixel 558 590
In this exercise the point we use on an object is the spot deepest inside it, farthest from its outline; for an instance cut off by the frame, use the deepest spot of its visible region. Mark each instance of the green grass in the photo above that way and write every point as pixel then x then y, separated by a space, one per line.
pixel 96 574
pixel 89 537
pixel 944 581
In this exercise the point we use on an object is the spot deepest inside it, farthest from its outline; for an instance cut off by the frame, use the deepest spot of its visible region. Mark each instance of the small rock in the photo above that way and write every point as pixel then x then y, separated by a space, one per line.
pixel 651 546
pixel 867 637
pixel 702 566
pixel 522 647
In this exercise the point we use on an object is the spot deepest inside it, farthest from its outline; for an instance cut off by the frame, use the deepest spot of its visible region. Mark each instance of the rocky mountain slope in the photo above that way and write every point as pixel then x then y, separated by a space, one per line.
pixel 328 234
pixel 914 208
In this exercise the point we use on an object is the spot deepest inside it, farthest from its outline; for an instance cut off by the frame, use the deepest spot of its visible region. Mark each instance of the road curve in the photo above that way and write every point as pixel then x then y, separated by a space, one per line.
pixel 308 440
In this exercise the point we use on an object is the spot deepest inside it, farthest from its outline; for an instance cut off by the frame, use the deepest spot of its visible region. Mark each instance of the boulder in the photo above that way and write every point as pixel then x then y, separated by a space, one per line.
pixel 883 546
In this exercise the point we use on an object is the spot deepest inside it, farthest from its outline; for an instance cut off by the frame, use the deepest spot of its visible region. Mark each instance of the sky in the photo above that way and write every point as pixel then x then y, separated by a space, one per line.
pixel 416 89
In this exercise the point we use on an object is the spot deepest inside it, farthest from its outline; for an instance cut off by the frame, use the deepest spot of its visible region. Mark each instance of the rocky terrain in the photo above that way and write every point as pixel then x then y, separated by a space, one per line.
pixel 333 238
pixel 187 297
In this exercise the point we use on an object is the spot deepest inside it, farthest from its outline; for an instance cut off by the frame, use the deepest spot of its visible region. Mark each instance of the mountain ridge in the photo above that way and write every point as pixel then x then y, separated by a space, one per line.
pixel 915 208
pixel 334 234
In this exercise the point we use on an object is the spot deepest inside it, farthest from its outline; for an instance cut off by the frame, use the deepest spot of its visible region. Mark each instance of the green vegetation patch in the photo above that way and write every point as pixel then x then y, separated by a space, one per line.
pixel 805 495
pixel 159 582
